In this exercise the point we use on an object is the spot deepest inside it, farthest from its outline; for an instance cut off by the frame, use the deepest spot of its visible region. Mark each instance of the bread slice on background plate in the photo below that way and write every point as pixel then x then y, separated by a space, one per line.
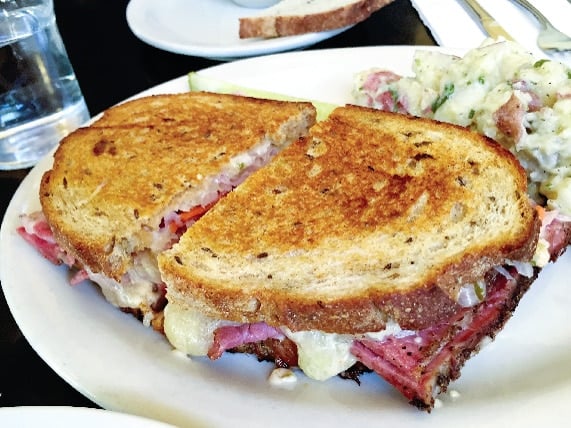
pixel 294 17
pixel 377 241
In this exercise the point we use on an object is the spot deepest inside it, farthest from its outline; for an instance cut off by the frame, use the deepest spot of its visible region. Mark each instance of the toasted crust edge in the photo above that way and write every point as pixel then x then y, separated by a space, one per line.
pixel 414 310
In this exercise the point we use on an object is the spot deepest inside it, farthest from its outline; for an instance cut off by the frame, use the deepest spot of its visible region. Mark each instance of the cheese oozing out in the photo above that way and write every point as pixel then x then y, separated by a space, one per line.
pixel 320 355
pixel 189 330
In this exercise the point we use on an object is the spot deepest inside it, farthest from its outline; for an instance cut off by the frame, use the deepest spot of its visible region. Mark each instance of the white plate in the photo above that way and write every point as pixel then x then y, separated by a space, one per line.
pixel 71 417
pixel 206 28
pixel 522 379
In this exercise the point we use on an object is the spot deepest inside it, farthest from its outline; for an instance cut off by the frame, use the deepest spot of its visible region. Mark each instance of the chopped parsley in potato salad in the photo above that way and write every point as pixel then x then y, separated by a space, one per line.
pixel 500 90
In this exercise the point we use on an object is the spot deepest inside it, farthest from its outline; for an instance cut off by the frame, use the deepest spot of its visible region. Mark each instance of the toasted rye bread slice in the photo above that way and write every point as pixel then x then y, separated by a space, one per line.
pixel 374 216
pixel 113 183
pixel 293 17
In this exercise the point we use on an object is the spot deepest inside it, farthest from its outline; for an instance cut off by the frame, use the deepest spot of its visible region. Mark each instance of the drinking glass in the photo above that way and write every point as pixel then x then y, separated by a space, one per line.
pixel 40 98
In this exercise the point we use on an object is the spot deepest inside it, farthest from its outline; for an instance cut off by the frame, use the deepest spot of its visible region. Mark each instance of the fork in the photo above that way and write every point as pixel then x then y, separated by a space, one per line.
pixel 549 38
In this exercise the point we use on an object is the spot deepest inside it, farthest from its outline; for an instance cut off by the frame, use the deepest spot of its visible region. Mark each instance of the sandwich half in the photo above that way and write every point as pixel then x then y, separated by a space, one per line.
pixel 380 242
pixel 125 188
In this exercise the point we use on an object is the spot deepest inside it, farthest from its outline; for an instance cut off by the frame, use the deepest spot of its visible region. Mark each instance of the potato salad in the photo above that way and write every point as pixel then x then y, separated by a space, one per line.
pixel 499 90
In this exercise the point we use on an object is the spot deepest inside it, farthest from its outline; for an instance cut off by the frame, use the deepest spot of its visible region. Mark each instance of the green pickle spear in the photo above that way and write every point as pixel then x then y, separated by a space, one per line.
pixel 199 82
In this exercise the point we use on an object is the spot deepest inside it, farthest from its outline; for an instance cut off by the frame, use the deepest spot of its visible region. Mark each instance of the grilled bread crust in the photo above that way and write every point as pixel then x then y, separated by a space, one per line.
pixel 292 17
pixel 113 182
pixel 375 216
pixel 207 111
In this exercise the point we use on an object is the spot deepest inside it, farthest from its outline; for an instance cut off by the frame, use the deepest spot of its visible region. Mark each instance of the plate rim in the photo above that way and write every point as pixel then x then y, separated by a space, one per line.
pixel 70 416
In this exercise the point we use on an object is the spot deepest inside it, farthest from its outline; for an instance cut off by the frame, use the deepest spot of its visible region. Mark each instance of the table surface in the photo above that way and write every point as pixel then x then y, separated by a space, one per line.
pixel 111 64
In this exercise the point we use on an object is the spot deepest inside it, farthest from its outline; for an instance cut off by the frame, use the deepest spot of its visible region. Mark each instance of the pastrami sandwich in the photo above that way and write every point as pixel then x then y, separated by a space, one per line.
pixel 381 242
pixel 377 242
pixel 125 188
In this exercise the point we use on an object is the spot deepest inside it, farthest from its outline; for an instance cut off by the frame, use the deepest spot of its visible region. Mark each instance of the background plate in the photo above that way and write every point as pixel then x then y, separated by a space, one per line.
pixel 522 379
pixel 206 28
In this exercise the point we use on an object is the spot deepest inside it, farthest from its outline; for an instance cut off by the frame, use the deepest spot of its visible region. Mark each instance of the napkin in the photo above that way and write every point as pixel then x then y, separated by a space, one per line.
pixel 453 24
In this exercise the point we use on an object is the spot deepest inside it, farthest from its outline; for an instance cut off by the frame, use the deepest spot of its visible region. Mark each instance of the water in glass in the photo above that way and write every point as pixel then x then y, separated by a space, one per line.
pixel 40 98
